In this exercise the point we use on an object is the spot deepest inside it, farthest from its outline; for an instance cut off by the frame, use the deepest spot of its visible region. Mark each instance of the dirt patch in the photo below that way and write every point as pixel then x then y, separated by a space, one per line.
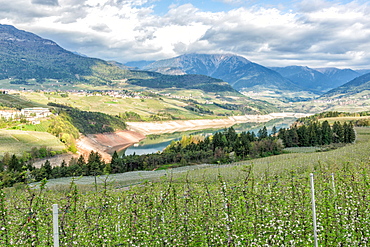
pixel 161 127
pixel 107 143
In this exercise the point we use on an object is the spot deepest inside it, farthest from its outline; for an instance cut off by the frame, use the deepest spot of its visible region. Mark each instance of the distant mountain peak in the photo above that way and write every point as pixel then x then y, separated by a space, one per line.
pixel 317 80
pixel 28 56
pixel 12 34
pixel 236 70
pixel 357 85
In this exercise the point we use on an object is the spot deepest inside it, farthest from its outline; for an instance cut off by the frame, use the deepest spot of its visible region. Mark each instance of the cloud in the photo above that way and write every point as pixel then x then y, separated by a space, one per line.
pixel 311 6
pixel 101 28
pixel 46 2
pixel 316 33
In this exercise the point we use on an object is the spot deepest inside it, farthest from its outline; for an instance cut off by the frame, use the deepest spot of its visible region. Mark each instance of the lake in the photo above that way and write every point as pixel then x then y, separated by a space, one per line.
pixel 155 143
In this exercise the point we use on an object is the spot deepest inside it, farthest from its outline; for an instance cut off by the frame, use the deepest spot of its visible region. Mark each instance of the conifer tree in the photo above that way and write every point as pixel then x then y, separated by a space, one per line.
pixel 327 134
pixel 115 163
pixel 346 134
pixel 273 131
pixel 303 136
pixel 262 133
pixel 338 135
pixel 352 133
pixel 14 164
pixel 312 133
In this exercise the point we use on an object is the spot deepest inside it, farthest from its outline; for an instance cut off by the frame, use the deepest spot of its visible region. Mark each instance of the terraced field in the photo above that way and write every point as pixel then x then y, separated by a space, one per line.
pixel 18 141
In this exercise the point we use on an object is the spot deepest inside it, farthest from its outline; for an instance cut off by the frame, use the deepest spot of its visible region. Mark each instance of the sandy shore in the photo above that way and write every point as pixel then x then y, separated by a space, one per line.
pixel 161 127
pixel 107 143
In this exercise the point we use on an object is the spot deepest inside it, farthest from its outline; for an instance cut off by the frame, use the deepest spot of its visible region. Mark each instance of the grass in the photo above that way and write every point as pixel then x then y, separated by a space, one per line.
pixel 41 127
pixel 18 142
pixel 144 106
pixel 342 119
pixel 279 165
pixel 105 104
pixel 17 101
pixel 263 202
pixel 301 149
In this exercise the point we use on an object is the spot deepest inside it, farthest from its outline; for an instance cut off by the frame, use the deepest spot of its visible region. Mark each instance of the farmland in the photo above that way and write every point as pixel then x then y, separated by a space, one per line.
pixel 263 202
pixel 147 104
pixel 18 141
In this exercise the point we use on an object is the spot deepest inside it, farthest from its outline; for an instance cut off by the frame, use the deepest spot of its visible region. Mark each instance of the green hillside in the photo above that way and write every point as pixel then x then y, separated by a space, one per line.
pixel 27 60
pixel 353 87
pixel 25 56
pixel 264 202
pixel 205 83
pixel 18 142
pixel 87 122
pixel 16 101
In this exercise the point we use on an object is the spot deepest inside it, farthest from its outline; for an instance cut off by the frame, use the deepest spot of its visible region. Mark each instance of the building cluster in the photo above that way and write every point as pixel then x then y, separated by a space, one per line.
pixel 116 94
pixel 30 114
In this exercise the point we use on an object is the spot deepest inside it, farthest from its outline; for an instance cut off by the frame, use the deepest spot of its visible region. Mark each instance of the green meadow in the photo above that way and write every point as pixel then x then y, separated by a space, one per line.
pixel 261 202
pixel 19 141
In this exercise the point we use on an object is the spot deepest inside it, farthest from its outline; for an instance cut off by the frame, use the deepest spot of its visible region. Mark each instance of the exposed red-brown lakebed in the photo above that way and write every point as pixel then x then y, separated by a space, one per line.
pixel 107 143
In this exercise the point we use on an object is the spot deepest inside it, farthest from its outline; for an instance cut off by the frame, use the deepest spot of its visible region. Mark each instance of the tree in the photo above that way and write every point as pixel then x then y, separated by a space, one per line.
pixel 115 163
pixel 14 164
pixel 303 135
pixel 338 133
pixel 94 164
pixel 349 132
pixel 262 133
pixel 345 133
pixel 352 133
pixel 327 134
pixel 231 135
pixel 273 131
pixel 312 133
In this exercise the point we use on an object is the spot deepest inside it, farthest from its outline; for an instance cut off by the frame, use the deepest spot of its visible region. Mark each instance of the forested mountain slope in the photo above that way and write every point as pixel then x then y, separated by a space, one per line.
pixel 355 86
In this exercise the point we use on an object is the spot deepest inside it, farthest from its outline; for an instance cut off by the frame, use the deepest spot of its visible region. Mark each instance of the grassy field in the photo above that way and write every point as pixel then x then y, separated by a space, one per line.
pixel 114 106
pixel 18 141
pixel 17 101
pixel 156 104
pixel 262 202
pixel 298 159
pixel 343 119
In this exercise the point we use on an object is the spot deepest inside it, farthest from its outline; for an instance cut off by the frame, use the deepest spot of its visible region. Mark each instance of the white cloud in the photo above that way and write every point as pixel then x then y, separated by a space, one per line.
pixel 319 33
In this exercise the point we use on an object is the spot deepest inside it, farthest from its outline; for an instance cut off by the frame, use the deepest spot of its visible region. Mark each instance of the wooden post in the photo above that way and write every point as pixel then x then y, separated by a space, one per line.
pixel 313 210
pixel 333 183
pixel 55 225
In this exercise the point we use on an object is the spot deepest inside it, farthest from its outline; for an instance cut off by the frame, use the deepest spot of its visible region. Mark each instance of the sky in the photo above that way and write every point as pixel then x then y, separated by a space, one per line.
pixel 313 33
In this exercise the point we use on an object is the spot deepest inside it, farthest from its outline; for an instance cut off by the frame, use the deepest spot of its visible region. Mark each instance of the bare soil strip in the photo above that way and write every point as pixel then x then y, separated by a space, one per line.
pixel 107 143
pixel 160 127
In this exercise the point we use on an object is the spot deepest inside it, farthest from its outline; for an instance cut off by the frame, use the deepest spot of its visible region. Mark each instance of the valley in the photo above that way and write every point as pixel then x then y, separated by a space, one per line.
pixel 206 149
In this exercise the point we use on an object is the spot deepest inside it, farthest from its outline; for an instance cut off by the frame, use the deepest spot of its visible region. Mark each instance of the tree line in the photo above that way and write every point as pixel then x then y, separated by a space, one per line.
pixel 222 147
pixel 331 114
pixel 88 122
pixel 316 134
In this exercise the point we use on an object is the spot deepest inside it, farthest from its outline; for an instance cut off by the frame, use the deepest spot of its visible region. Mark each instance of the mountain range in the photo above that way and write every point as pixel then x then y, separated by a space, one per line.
pixel 25 56
pixel 317 80
pixel 243 74
pixel 239 72
pixel 357 85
